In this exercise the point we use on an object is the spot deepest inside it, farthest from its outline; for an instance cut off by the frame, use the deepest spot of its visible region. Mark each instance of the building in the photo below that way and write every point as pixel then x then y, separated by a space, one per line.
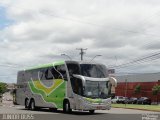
pixel 127 83
pixel 10 86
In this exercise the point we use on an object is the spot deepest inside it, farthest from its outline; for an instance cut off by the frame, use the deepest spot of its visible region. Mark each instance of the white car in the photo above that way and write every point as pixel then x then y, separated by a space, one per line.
pixel 118 99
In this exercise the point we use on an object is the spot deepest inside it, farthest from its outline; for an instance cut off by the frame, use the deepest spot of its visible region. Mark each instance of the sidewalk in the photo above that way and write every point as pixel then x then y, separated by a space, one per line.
pixel 7 103
pixel 155 108
pixel 0 101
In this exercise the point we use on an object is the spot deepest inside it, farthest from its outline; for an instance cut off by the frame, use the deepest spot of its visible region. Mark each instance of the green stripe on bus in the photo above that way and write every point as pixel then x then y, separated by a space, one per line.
pixel 47 65
pixel 94 100
pixel 48 90
pixel 56 97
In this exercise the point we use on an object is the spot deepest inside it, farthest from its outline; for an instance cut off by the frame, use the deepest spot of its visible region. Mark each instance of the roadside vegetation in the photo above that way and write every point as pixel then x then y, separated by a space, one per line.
pixel 141 107
pixel 156 91
pixel 3 88
pixel 137 89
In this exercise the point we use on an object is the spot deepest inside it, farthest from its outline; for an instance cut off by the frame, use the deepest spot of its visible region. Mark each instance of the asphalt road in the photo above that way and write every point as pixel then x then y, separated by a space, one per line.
pixel 18 112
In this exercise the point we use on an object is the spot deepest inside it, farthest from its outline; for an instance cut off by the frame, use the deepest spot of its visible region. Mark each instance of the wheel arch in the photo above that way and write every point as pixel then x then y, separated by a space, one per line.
pixel 66 100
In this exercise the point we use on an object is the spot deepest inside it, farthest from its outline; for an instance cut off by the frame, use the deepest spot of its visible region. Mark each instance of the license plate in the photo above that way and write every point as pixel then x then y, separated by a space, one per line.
pixel 99 107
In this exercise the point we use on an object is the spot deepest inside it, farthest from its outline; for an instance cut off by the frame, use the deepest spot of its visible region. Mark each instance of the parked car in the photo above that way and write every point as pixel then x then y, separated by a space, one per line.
pixel 118 99
pixel 125 100
pixel 144 100
pixel 132 100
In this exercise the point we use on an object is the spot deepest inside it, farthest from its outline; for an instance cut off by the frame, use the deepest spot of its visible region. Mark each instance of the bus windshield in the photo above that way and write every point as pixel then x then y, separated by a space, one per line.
pixel 93 70
pixel 97 89
pixel 91 89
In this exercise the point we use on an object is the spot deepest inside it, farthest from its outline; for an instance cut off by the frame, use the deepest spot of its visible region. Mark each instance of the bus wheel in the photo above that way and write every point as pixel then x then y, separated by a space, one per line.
pixel 27 103
pixel 32 104
pixel 91 111
pixel 66 107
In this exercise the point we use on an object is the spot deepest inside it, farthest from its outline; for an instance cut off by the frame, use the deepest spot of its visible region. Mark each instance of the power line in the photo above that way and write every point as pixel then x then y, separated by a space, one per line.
pixel 138 61
pixel 8 75
pixel 44 12
pixel 10 66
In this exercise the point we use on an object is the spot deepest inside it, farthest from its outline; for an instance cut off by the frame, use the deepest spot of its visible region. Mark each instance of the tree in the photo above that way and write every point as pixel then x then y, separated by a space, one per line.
pixel 156 91
pixel 137 89
pixel 3 87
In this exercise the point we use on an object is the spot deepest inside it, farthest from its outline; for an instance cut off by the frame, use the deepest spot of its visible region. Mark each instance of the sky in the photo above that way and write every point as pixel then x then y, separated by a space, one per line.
pixel 34 32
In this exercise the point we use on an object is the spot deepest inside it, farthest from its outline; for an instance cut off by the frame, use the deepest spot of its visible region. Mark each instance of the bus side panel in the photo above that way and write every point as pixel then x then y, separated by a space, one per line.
pixel 46 92
pixel 24 91
pixel 53 96
pixel 20 96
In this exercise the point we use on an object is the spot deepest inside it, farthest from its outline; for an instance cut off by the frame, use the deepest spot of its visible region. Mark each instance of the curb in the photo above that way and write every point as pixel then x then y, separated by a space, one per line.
pixel 138 109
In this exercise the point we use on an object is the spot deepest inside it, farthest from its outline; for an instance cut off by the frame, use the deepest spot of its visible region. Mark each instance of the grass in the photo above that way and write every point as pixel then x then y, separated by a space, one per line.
pixel 142 107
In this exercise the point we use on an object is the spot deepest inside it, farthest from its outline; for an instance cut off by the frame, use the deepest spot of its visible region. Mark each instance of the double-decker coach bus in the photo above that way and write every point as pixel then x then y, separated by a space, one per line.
pixel 66 85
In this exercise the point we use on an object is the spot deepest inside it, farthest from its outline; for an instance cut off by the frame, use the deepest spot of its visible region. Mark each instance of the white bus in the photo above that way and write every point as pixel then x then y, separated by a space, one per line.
pixel 66 85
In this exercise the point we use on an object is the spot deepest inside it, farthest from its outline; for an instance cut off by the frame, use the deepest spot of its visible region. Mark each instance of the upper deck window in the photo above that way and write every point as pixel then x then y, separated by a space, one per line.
pixel 73 68
pixel 93 70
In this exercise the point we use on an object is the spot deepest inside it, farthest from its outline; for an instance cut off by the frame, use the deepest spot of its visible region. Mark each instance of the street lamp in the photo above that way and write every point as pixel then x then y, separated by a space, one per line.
pixel 95 57
pixel 66 56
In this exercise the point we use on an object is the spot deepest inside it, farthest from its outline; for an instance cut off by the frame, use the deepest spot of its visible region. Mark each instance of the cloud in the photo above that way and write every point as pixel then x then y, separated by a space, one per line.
pixel 119 30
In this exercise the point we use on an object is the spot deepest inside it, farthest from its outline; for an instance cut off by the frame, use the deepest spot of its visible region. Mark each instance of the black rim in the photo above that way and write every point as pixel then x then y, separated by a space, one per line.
pixel 67 107
pixel 32 105
pixel 27 103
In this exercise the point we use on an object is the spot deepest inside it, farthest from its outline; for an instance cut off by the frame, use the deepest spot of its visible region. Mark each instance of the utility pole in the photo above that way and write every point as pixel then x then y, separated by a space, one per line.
pixel 81 52
pixel 125 92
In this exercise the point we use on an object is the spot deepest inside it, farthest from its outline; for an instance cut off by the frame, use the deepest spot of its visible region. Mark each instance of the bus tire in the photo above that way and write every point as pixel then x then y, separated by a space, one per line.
pixel 26 103
pixel 32 104
pixel 91 111
pixel 66 107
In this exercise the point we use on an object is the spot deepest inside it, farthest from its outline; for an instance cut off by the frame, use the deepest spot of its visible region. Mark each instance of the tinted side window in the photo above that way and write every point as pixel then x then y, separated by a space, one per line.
pixel 62 71
pixel 41 73
pixel 34 74
pixel 77 86
pixel 50 73
pixel 56 72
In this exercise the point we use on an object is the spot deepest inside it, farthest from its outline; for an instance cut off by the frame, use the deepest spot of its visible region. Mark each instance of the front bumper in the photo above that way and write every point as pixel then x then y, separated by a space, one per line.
pixel 88 105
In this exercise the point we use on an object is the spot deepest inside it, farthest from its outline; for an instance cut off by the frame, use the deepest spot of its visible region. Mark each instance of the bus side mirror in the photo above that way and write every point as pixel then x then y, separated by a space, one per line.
pixel 113 82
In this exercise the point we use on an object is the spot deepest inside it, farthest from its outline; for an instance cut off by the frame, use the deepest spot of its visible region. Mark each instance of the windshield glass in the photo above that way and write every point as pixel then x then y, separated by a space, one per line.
pixel 73 68
pixel 98 89
pixel 94 70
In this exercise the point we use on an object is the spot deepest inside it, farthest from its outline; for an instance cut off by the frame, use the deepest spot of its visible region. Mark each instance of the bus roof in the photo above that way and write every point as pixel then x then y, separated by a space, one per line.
pixel 84 62
pixel 46 65
pixel 59 63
